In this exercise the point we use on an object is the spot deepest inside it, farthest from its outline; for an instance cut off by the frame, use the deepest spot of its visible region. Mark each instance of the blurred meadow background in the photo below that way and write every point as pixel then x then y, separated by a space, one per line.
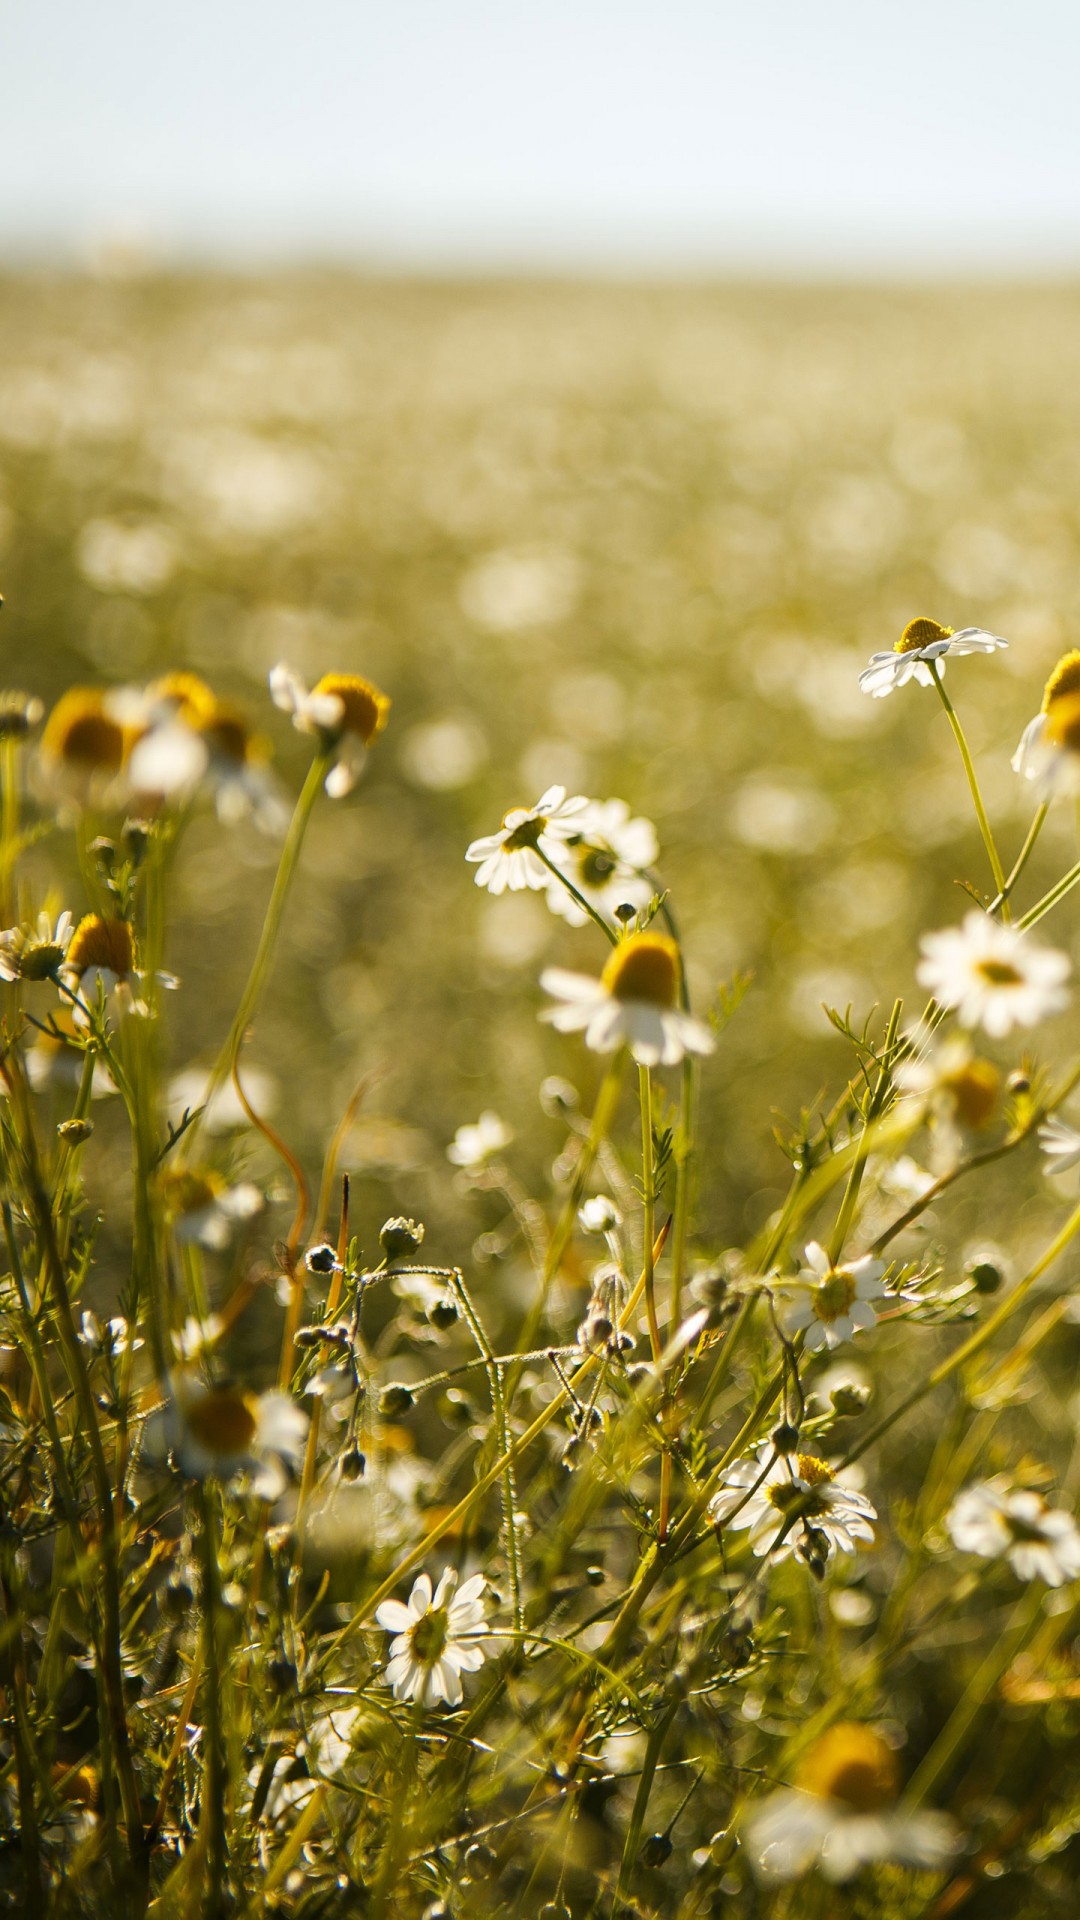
pixel 635 540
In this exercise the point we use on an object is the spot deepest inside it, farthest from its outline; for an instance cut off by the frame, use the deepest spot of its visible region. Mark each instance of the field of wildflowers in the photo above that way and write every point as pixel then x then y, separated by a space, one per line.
pixel 537 1099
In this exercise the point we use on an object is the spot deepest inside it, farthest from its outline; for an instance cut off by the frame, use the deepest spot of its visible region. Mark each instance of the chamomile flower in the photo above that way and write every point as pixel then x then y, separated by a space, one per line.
pixel 37 951
pixel 796 1496
pixel 101 958
pixel 221 1432
pixel 84 747
pixel 830 1304
pixel 605 864
pixel 1039 1542
pixel 511 857
pixel 437 1638
pixel 1061 1145
pixel 345 711
pixel 634 1003
pixel 960 1090
pixel 474 1145
pixel 1049 749
pixel 191 739
pixel 201 1207
pixel 993 976
pixel 920 653
pixel 842 1814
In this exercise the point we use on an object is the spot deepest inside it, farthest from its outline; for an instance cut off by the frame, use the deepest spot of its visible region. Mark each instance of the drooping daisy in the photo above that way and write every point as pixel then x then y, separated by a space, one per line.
pixel 437 1638
pixel 221 1432
pixel 1039 1542
pixel 634 1003
pixel 799 1492
pixel 1061 1145
pixel 511 857
pixel 35 952
pixel 474 1145
pixel 101 957
pixel 842 1814
pixel 993 976
pixel 830 1304
pixel 606 864
pixel 345 711
pixel 201 1207
pixel 84 747
pixel 1049 749
pixel 920 650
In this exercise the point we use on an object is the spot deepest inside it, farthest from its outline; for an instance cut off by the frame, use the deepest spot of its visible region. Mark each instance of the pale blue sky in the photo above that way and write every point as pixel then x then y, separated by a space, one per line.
pixel 805 135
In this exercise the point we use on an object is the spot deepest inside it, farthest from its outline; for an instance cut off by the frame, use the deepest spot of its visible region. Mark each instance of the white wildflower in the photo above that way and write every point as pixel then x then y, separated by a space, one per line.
pixel 828 1303
pixel 35 951
pixel 346 712
pixel 483 1140
pixel 797 1496
pixel 1039 1542
pixel 634 1003
pixel 220 1432
pixel 1049 749
pixel 842 1814
pixel 1061 1145
pixel 437 1638
pixel 919 653
pixel 992 975
pixel 511 858
pixel 605 864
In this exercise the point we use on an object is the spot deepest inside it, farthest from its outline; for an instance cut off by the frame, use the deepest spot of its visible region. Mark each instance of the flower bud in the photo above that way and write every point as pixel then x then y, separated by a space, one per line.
pixel 656 1851
pixel 443 1313
pixel 850 1399
pixel 74 1133
pixel 400 1237
pixel 395 1399
pixel 320 1259
pixel 985 1277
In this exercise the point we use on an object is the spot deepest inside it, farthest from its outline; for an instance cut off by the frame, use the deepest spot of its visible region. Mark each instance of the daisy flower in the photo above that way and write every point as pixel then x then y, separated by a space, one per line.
pixel 920 653
pixel 436 1638
pixel 829 1304
pixel 634 1003
pixel 35 952
pixel 605 863
pixel 193 739
pixel 1039 1542
pixel 993 976
pixel 84 747
pixel 767 1493
pixel 219 1432
pixel 101 955
pixel 1061 1145
pixel 511 857
pixel 474 1145
pixel 842 1814
pixel 344 710
pixel 1049 749
pixel 203 1209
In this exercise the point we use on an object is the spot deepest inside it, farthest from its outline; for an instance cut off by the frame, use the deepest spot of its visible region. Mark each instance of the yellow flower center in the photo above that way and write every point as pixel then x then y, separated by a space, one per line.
pixel 225 732
pixel 189 1189
pixel 1063 721
pixel 644 967
pixel 595 865
pixel 187 693
pixel 834 1295
pixel 921 633
pixel 815 1471
pixel 526 833
pixel 80 733
pixel 364 708
pixel 1000 973
pixel 973 1089
pixel 429 1636
pixel 1064 680
pixel 222 1420
pixel 102 943
pixel 851 1763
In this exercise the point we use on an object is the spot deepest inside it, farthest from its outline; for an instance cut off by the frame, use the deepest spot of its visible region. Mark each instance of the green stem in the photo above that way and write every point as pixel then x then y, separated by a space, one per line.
pixel 657 1735
pixel 498 1408
pixel 975 1696
pixel 980 811
pixel 9 826
pixel 874 1108
pixel 609 932
pixel 1022 857
pixel 1064 885
pixel 648 1204
pixel 264 953
pixel 214 1771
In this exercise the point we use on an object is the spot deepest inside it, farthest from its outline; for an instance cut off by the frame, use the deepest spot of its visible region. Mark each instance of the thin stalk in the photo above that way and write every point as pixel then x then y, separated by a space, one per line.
pixel 214 1770
pixel 657 1735
pixel 874 1108
pixel 975 1696
pixel 648 1208
pixel 1022 857
pixel 1064 885
pixel 9 826
pixel 608 932
pixel 264 953
pixel 502 1434
pixel 13 1670
pixel 980 811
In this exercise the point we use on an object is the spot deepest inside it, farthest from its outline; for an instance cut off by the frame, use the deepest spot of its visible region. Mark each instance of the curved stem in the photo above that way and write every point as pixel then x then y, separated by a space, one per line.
pixel 980 811
pixel 609 932
pixel 1022 857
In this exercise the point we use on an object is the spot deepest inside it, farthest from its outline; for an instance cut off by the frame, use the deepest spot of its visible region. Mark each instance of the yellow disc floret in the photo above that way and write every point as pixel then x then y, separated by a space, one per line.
pixel 190 1189
pixel 973 1089
pixel 223 1420
pixel 364 710
pixel 645 966
pixel 1062 722
pixel 186 693
pixel 852 1764
pixel 81 733
pixel 921 633
pixel 816 1472
pixel 102 943
pixel 1064 681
